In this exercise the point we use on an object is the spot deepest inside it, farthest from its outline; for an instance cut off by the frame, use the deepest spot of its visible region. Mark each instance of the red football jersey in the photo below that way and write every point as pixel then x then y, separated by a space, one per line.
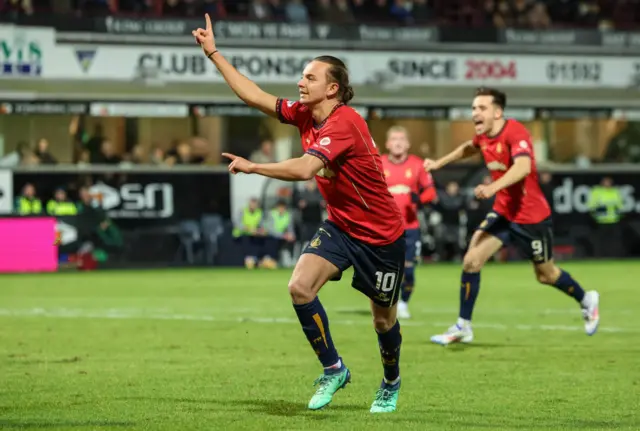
pixel 524 201
pixel 352 180
pixel 404 179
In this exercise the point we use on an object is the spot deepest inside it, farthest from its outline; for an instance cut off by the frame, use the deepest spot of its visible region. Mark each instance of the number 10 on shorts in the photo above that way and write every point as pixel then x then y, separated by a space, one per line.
pixel 385 281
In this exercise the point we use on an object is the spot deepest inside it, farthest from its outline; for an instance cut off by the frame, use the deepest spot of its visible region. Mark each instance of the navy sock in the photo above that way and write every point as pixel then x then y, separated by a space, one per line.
pixel 389 343
pixel 408 283
pixel 469 293
pixel 315 325
pixel 568 285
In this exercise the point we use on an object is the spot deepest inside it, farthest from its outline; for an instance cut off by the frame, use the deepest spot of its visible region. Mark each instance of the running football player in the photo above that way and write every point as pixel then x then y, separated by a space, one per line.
pixel 521 214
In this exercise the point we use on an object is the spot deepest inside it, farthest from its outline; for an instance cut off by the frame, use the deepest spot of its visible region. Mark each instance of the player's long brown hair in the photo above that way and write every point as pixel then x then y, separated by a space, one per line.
pixel 339 74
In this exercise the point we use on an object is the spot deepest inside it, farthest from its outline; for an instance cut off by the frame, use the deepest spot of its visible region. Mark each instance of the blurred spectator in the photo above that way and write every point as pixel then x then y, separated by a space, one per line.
pixel 137 155
pixel 624 147
pixel 344 14
pixel 60 205
pixel 310 204
pixel 260 10
pixel 589 13
pixel 157 156
pixel 16 8
pixel 16 157
pixel 521 10
pixel 107 155
pixel 488 14
pixel 264 154
pixel 183 155
pixel 451 206
pixel 95 225
pixel 279 230
pixel 43 154
pixel 93 143
pixel 248 228
pixel 28 203
pixel 401 11
pixel 278 11
pixel 296 11
pixel 502 16
pixel 85 158
pixel 605 205
pixel 538 17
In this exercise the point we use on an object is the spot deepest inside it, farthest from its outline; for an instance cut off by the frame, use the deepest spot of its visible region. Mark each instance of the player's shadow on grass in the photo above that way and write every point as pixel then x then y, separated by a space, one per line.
pixel 5 424
pixel 286 408
pixel 267 407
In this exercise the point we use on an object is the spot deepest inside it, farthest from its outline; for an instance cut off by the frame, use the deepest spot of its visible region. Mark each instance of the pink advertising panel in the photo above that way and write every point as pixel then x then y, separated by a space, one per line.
pixel 28 244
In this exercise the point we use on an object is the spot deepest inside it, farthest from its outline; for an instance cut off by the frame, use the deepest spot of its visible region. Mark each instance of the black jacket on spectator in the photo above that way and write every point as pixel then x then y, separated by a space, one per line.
pixel 449 207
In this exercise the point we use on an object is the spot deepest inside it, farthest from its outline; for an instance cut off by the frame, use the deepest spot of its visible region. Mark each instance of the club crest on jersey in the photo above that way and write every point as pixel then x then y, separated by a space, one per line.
pixel 326 173
pixel 408 173
pixel 499 148
pixel 496 166
pixel 387 173
pixel 325 141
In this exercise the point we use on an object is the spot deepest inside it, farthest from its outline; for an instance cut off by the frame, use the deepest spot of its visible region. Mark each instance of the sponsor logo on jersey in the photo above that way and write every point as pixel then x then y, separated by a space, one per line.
pixel 399 189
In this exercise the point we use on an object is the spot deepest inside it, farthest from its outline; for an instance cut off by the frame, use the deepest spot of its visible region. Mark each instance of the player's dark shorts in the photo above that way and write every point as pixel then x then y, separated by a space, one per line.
pixel 414 245
pixel 535 241
pixel 378 270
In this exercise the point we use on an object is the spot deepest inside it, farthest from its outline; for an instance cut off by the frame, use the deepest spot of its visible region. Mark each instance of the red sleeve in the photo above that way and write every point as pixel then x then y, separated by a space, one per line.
pixel 520 144
pixel 290 112
pixel 334 141
pixel 427 191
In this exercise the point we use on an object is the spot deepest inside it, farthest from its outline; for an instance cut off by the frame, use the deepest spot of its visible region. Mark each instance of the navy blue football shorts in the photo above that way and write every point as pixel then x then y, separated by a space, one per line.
pixel 534 241
pixel 378 270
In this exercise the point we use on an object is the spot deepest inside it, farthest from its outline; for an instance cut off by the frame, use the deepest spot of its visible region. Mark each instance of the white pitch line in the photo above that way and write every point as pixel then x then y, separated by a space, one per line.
pixel 115 313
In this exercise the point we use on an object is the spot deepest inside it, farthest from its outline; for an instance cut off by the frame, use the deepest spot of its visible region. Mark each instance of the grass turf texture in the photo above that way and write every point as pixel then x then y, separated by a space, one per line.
pixel 222 349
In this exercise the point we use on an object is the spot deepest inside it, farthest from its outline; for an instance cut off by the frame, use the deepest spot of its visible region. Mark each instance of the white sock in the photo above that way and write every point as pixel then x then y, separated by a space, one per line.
pixel 463 323
pixel 392 382
pixel 335 366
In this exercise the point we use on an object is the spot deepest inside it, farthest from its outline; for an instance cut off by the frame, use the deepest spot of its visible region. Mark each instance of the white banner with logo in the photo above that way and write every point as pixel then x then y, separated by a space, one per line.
pixel 176 64
pixel 33 53
pixel 24 51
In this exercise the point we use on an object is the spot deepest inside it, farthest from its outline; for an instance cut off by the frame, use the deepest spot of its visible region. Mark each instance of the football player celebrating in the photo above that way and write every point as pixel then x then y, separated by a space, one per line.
pixel 520 214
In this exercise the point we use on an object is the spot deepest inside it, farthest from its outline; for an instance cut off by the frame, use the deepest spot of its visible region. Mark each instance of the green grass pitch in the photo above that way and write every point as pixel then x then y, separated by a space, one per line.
pixel 221 349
